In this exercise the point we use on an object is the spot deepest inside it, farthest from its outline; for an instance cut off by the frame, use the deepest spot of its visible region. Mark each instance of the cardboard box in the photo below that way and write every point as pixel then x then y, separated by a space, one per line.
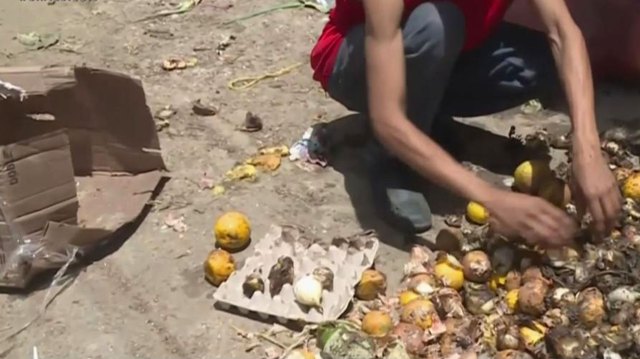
pixel 79 158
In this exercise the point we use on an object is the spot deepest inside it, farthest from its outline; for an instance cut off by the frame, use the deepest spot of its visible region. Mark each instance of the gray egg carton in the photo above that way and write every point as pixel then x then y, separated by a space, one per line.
pixel 346 257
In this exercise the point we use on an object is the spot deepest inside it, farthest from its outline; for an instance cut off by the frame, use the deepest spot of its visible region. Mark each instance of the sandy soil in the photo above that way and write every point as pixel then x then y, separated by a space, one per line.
pixel 148 299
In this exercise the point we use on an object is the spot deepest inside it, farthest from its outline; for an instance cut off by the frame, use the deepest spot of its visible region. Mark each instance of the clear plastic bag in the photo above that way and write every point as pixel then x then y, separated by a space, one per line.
pixel 29 256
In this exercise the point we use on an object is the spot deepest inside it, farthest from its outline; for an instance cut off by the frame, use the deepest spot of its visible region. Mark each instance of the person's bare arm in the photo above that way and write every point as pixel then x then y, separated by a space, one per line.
pixel 596 186
pixel 384 52
pixel 511 214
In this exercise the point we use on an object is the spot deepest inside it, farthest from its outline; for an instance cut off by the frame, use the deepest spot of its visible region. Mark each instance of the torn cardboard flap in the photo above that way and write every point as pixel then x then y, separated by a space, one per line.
pixel 74 179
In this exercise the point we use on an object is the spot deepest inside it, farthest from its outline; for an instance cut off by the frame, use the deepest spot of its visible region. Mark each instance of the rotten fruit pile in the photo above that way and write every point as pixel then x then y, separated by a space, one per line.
pixel 487 296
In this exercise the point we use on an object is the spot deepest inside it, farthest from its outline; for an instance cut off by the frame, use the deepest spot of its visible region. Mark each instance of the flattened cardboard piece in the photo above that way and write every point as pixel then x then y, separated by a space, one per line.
pixel 79 157
pixel 30 201
pixel 109 124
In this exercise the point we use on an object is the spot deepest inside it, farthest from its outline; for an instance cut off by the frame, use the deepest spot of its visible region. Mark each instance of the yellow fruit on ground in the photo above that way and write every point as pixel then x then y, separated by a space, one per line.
pixel 449 271
pixel 377 324
pixel 631 187
pixel 476 213
pixel 232 231
pixel 408 296
pixel 512 299
pixel 621 174
pixel 529 175
pixel 419 312
pixel 497 281
pixel 556 192
pixel 372 283
pixel 530 336
pixel 219 266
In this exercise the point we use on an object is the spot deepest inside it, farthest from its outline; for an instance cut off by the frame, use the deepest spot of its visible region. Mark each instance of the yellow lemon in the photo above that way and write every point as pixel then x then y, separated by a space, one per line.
pixel 218 266
pixel 408 296
pixel 449 271
pixel 530 336
pixel 529 175
pixel 497 281
pixel 232 231
pixel 476 213
pixel 631 187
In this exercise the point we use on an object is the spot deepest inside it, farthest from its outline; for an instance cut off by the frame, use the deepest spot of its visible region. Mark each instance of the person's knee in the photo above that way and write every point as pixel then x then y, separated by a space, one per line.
pixel 434 31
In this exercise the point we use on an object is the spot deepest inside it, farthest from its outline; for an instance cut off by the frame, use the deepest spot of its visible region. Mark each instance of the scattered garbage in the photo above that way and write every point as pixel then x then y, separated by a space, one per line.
pixel 178 64
pixel 267 159
pixel 267 162
pixel 182 8
pixel 482 297
pixel 37 41
pixel 323 6
pixel 531 107
pixel 252 123
pixel 162 117
pixel 242 172
pixel 203 109
pixel 43 228
pixel 244 83
pixel 224 44
pixel 175 223
pixel 310 148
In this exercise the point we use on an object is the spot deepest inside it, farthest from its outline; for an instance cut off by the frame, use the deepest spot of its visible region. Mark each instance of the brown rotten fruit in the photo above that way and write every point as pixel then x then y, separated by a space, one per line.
pixel 591 306
pixel 531 297
pixel 476 266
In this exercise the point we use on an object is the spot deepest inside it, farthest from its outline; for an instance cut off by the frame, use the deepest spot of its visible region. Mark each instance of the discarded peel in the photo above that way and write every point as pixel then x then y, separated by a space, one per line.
pixel 267 162
pixel 277 150
pixel 178 64
pixel 242 172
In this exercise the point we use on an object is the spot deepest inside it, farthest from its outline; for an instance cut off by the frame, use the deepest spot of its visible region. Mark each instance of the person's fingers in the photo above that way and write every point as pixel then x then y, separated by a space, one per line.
pixel 611 209
pixel 581 203
pixel 546 229
pixel 597 212
pixel 558 221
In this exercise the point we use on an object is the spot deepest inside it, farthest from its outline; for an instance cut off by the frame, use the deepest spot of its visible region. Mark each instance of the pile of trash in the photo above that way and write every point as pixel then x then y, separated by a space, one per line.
pixel 489 297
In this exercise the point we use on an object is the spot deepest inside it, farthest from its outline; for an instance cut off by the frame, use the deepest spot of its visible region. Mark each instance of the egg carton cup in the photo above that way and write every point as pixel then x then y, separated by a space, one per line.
pixel 347 257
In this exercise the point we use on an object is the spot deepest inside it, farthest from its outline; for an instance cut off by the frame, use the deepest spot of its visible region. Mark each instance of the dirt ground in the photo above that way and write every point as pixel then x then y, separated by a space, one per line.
pixel 148 298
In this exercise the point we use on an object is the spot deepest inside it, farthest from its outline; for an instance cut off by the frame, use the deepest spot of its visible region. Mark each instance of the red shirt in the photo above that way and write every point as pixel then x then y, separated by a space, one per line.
pixel 481 16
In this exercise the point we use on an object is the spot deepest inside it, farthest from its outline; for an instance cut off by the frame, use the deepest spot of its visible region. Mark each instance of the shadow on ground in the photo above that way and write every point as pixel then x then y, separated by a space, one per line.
pixel 495 155
pixel 467 143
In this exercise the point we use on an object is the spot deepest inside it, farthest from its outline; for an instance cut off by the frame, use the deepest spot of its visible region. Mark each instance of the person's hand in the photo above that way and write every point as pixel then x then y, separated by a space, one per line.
pixel 531 218
pixel 595 190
